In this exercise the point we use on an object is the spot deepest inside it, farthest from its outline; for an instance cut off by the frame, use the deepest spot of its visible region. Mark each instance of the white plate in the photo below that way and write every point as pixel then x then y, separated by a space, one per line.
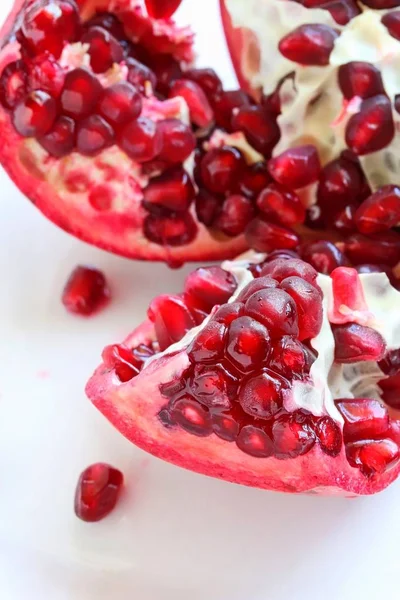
pixel 175 535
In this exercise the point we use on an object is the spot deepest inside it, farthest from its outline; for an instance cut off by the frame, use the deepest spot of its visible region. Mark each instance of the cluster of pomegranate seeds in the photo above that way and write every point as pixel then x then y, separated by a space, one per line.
pixel 86 291
pixel 97 492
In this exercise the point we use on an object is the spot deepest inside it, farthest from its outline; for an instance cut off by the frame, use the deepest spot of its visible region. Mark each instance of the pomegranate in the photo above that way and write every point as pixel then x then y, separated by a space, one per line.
pixel 265 373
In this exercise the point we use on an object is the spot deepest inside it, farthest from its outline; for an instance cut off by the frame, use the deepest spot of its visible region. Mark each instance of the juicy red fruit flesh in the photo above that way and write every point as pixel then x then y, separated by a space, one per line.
pixel 309 44
pixel 86 291
pixel 162 9
pixel 97 492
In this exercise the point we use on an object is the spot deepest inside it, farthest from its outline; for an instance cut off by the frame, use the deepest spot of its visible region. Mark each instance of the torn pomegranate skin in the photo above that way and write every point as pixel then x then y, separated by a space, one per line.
pixel 97 492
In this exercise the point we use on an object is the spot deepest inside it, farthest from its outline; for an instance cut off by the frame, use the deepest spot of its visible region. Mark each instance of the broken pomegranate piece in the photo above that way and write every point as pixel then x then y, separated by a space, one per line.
pixel 97 492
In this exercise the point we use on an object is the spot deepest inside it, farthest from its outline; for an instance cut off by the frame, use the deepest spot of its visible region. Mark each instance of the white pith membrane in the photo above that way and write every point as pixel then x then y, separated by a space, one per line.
pixel 312 104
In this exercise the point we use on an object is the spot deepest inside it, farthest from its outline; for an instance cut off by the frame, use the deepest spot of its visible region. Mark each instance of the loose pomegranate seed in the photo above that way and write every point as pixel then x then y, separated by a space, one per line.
pixel 379 212
pixel 392 21
pixel 120 103
pixel 221 168
pixel 225 427
pixel 281 205
pixel 372 456
pixel 354 343
pixel 323 256
pixel 364 418
pixel 46 74
pixel 372 128
pixel 259 127
pixel 224 105
pixel 290 357
pixel 141 139
pixel 276 310
pixel 360 79
pixel 264 237
pixel 200 109
pixel 104 50
pixel 390 365
pixel 34 116
pixel 171 319
pixel 248 344
pixel 162 9
pixel 107 21
pixel 292 435
pixel 208 345
pixel 348 296
pixel 376 248
pixel 296 167
pixel 210 286
pixel 140 76
pixel 280 267
pixel 97 492
pixel 166 70
pixel 178 141
pixel 329 436
pixel 339 185
pixel 86 291
pixel 171 191
pixel 13 84
pixel 229 312
pixel 121 359
pixel 207 79
pixel 254 441
pixel 309 44
pixel 93 135
pixel 211 387
pixel 207 207
pixel 170 231
pixel 256 285
pixel 236 212
pixel 47 26
pixel 309 306
pixel 82 91
pixel 60 140
pixel 342 11
pixel 192 417
pixel 253 180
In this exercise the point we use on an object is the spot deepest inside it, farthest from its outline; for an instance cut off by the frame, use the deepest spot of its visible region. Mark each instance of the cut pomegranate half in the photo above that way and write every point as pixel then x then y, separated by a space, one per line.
pixel 236 377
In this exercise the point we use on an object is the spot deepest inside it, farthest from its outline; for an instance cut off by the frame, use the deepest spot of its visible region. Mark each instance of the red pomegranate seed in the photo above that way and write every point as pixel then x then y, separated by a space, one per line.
pixel 60 140
pixel 225 427
pixel 162 9
pixel 229 312
pixel 309 306
pixel 280 268
pixel 82 91
pixel 208 345
pixel 292 435
pixel 329 436
pixel 207 207
pixel 391 20
pixel 140 76
pixel 166 70
pixel 107 21
pixel 281 205
pixel 141 140
pixel 13 84
pixel 120 103
pixel 200 110
pixel 264 236
pixel 390 365
pixel 101 197
pixel 86 291
pixel 248 344
pixel 355 343
pixel 339 185
pixel 342 11
pixel 296 167
pixel 377 248
pixel 379 212
pixel 171 191
pixel 253 180
pixel 276 310
pixel 364 418
pixel 104 50
pixel 211 386
pixel 221 168
pixel 381 4
pixel 344 220
pixel 170 231
pixel 254 441
pixel 97 492
pixel 34 116
pixel 309 44
pixel 178 141
pixel 235 214
pixel 261 283
pixel 259 127
pixel 391 395
pixel 347 292
pixel 360 79
pixel 207 79
pixel 192 417
pixel 93 135
pixel 372 456
pixel 121 359
pixel 46 74
pixel 290 357
pixel 47 26
pixel 224 105
pixel 372 128
pixel 323 256
pixel 171 319
pixel 210 286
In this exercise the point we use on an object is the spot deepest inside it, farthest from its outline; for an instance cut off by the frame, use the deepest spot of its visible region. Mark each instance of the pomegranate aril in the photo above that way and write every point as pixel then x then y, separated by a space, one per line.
pixel 120 103
pixel 209 343
pixel 379 212
pixel 60 140
pixel 166 70
pixel 207 79
pixel 207 207
pixel 212 387
pixel 276 310
pixel 224 105
pixel 364 418
pixel 234 215
pixel 34 116
pixel 372 128
pixel 329 436
pixel 229 312
pixel 259 127
pixel 344 220
pixel 93 135
pixel 141 139
pixel 339 185
pixel 372 456
pixel 81 92
pixel 258 284
pixel 248 344
pixel 391 20
pixel 360 79
pixel 292 435
pixel 162 9
pixel 355 343
pixel 254 441
pixel 281 205
pixel 296 167
pixel 381 4
pixel 279 268
pixel 390 364
pixel 342 11
pixel 264 236
pixel 97 492
pixel 376 248
pixel 225 427
pixel 121 360
pixel 253 180
pixel 201 112
pixel 86 291
pixel 260 396
pixel 309 44
pixel 13 84
pixel 46 74
pixel 308 303
pixel 170 231
pixel 210 286
pixel 221 168
pixel 171 319
pixel 290 357
pixel 107 21
pixel 104 50
pixel 324 256
pixel 192 417
pixel 140 75
pixel 177 141
pixel 170 191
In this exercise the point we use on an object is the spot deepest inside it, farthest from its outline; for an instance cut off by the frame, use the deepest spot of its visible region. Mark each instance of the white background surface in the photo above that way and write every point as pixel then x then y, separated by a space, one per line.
pixel 175 535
